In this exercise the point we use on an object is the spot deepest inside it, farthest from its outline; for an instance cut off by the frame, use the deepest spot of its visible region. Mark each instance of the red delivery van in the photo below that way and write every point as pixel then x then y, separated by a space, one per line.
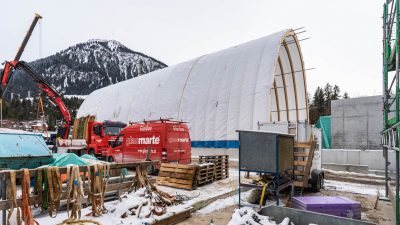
pixel 169 142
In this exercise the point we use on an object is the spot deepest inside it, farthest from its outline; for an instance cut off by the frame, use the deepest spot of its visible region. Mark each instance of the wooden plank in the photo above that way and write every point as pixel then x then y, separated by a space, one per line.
pixel 298 183
pixel 173 180
pixel 181 166
pixel 63 170
pixel 201 204
pixel 174 218
pixel 300 163
pixel 182 186
pixel 300 154
pixel 34 199
pixel 176 175
pixel 177 170
pixel 302 144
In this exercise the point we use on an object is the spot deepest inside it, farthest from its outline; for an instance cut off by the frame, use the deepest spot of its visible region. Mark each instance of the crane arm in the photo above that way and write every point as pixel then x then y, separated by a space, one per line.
pixel 51 92
pixel 8 68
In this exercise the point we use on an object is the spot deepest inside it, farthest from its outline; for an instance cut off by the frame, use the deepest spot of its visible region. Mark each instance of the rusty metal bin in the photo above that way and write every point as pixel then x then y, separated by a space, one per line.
pixel 301 217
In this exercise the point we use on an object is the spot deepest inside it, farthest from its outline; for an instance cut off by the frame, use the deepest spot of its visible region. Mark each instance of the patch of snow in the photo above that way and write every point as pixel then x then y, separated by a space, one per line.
pixel 246 215
pixel 12 131
pixel 345 173
pixel 219 204
pixel 364 189
pixel 117 208
pixel 223 203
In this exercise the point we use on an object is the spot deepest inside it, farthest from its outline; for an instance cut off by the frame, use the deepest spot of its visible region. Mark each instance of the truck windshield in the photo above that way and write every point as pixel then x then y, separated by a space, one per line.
pixel 112 131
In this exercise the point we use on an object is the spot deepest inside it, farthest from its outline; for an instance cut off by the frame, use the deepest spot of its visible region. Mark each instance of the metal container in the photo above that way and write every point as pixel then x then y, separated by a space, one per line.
pixel 332 205
pixel 301 217
pixel 265 151
pixel 22 150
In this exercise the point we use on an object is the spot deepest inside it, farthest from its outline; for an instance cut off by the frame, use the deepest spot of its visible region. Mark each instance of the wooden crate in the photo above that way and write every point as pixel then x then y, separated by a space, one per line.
pixel 221 163
pixel 177 175
pixel 205 174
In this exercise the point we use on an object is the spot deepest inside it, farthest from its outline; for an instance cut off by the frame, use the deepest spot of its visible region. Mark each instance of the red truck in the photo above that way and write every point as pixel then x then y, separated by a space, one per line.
pixel 168 140
pixel 100 136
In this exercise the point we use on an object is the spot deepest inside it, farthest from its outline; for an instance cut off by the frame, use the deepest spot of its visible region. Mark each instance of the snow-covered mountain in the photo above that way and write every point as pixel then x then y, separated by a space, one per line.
pixel 85 67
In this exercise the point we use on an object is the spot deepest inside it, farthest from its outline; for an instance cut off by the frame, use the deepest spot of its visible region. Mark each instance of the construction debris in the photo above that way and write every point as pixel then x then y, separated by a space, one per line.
pixel 247 215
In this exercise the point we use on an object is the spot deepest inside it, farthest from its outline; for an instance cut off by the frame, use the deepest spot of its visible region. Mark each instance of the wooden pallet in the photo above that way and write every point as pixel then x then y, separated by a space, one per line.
pixel 205 174
pixel 221 163
pixel 177 175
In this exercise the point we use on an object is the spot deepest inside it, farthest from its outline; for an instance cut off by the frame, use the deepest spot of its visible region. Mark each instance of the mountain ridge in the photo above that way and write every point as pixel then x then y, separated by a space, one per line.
pixel 88 66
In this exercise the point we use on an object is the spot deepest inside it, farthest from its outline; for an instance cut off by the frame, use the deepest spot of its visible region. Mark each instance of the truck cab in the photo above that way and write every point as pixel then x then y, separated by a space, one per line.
pixel 168 141
pixel 101 135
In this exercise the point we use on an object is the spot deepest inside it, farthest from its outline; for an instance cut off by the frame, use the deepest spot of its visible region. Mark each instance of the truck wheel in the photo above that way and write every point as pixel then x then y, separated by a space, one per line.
pixel 110 159
pixel 317 180
pixel 91 152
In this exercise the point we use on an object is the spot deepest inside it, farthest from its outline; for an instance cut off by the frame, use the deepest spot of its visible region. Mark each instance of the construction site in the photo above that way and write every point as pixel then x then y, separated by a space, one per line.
pixel 229 137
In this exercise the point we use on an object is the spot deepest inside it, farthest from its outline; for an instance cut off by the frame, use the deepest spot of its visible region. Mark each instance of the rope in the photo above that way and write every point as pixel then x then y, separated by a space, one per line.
pixel 74 195
pixel 26 208
pixel 12 194
pixel 97 183
pixel 79 222
pixel 55 185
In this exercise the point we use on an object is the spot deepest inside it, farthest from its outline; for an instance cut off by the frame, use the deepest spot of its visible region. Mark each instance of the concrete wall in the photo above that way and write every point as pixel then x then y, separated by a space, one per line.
pixel 371 158
pixel 357 123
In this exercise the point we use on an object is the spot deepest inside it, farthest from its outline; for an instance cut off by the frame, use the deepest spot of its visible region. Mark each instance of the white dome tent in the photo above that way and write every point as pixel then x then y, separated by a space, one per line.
pixel 259 81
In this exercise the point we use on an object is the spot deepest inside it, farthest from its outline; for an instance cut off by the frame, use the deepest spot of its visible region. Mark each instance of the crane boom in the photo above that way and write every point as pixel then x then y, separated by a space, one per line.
pixel 51 92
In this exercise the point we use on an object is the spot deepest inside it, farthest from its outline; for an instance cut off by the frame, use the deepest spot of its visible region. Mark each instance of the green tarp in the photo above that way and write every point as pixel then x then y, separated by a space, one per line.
pixel 324 123
pixel 66 159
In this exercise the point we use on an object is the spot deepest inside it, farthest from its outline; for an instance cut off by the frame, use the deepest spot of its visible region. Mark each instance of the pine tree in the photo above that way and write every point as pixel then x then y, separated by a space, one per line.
pixel 336 93
pixel 345 95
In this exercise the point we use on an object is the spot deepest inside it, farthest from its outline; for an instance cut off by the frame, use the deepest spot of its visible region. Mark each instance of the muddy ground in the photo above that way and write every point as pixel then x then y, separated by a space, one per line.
pixel 381 215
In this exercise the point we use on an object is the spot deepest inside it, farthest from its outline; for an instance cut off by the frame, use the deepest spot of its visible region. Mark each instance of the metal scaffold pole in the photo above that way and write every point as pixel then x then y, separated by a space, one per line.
pixel 391 113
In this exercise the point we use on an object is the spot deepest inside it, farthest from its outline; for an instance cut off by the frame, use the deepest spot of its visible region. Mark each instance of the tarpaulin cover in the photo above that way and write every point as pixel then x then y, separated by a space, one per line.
pixel 66 159
pixel 324 123
pixel 259 81
pixel 16 143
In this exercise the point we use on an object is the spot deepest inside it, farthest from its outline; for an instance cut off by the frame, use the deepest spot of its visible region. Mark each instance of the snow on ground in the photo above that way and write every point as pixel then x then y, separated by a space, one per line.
pixel 354 187
pixel 246 215
pixel 117 208
pixel 220 204
pixel 13 131
pixel 223 203
pixel 346 173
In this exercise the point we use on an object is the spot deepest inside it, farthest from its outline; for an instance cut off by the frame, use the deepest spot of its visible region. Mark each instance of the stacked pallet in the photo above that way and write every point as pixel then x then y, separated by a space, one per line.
pixel 177 175
pixel 206 173
pixel 221 163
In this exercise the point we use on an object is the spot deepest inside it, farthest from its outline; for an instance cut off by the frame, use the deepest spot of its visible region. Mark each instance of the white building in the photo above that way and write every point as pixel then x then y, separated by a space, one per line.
pixel 237 88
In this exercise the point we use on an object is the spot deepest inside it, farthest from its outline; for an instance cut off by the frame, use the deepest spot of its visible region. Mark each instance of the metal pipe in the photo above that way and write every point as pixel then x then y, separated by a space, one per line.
pixel 397 109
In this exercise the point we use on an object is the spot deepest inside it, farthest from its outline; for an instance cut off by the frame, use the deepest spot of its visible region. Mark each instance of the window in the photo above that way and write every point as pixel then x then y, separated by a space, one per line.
pixel 112 131
pixel 119 140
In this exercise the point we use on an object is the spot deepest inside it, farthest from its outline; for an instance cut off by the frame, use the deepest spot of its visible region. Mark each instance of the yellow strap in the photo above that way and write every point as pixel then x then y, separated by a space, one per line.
pixel 262 194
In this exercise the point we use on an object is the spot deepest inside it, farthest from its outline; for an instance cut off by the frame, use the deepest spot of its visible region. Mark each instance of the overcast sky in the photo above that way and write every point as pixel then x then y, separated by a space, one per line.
pixel 345 44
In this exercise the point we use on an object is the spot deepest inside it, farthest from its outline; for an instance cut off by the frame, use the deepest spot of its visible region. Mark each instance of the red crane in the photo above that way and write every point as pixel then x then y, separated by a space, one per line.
pixel 51 92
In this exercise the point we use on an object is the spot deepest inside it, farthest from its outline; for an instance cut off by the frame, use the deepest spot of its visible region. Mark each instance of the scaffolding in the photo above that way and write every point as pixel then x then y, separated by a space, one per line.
pixel 391 115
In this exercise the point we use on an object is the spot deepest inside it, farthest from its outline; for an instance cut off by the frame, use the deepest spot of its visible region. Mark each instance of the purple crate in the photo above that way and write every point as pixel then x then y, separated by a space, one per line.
pixel 332 205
